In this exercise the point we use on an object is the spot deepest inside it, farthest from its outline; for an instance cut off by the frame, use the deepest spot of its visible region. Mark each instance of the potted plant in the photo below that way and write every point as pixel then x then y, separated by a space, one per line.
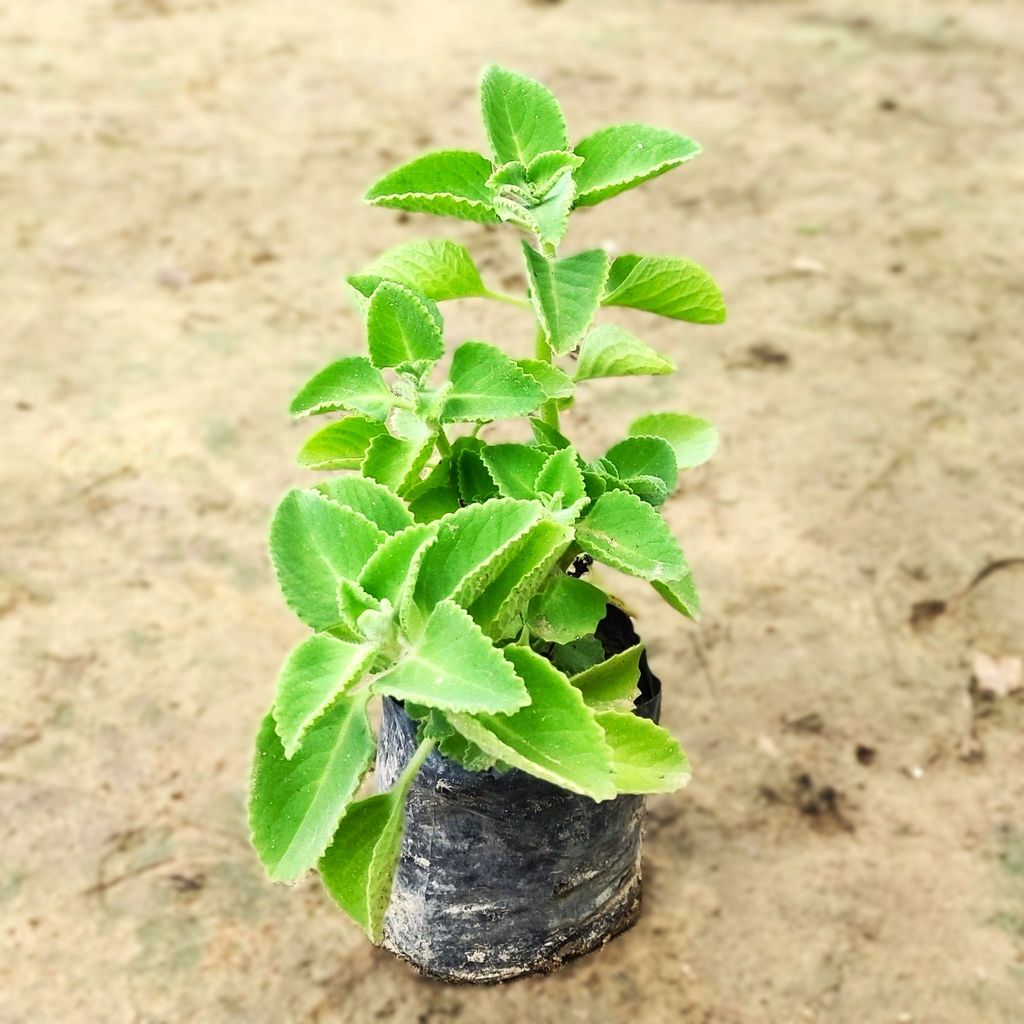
pixel 448 575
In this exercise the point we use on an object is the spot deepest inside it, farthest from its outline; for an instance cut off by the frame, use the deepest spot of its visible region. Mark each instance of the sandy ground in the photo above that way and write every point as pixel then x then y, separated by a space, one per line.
pixel 179 188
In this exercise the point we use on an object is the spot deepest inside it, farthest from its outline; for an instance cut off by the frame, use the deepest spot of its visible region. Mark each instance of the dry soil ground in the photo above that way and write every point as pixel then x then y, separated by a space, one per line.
pixel 179 184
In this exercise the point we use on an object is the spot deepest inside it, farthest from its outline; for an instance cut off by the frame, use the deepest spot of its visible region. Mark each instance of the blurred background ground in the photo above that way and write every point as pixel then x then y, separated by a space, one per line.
pixel 179 181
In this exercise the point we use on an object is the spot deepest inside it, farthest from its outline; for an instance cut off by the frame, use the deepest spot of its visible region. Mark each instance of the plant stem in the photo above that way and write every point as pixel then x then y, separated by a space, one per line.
pixel 414 765
pixel 511 300
pixel 443 444
pixel 549 410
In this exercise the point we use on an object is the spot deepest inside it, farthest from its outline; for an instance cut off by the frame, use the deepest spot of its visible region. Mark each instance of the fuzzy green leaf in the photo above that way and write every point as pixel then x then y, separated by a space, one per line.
pixel 565 294
pixel 546 217
pixel 351 384
pixel 522 117
pixel 514 468
pixel 554 382
pixel 450 743
pixel 502 603
pixel 295 805
pixel 666 285
pixel 396 462
pixel 370 499
pixel 611 684
pixel 340 445
pixel 694 440
pixel 438 268
pixel 555 738
pixel 400 329
pixel 353 601
pixel 548 168
pixel 476 484
pixel 577 655
pixel 358 870
pixel 561 479
pixel 487 385
pixel 545 434
pixel 566 609
pixel 609 351
pixel 626 533
pixel 626 155
pixel 645 757
pixel 388 569
pixel 452 183
pixel 473 545
pixel 453 666
pixel 640 462
pixel 314 544
pixel 316 673
pixel 681 594
pixel 436 494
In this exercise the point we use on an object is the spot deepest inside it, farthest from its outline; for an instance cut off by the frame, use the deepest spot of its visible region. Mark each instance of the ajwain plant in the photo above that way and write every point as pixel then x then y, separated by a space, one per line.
pixel 443 570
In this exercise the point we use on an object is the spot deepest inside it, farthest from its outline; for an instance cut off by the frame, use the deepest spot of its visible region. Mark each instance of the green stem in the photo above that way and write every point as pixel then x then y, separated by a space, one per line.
pixel 443 444
pixel 511 300
pixel 414 765
pixel 549 410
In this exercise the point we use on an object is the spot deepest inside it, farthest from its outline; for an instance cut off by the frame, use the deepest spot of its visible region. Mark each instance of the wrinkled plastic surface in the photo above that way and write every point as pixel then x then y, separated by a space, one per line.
pixel 502 874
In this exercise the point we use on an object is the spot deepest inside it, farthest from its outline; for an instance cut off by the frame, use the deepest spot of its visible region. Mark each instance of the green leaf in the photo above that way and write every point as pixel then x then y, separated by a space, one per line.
pixel 545 434
pixel 353 601
pixel 503 601
pixel 548 168
pixel 609 351
pixel 316 673
pixel 452 744
pixel 666 285
pixel 625 155
pixel 681 594
pixel 546 217
pixel 473 545
pixel 340 445
pixel 452 183
pixel 514 468
pixel 295 805
pixel 555 737
pixel 436 495
pixel 351 384
pixel 567 609
pixel 400 329
pixel 645 757
pixel 565 294
pixel 476 484
pixel 611 684
pixel 510 180
pixel 693 440
pixel 362 288
pixel 522 118
pixel 358 870
pixel 551 214
pixel 487 385
pixel 626 533
pixel 554 382
pixel 561 479
pixel 438 268
pixel 370 499
pixel 314 544
pixel 637 459
pixel 396 462
pixel 453 666
pixel 577 655
pixel 388 569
